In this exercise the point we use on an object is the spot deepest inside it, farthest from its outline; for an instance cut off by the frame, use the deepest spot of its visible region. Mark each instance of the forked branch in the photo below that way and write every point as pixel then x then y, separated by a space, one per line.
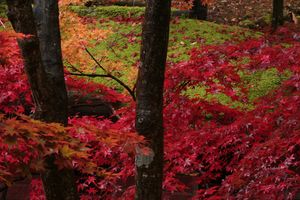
pixel 106 75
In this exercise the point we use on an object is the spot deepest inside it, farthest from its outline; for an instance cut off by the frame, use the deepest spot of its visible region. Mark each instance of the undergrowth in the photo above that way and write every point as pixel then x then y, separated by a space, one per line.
pixel 122 46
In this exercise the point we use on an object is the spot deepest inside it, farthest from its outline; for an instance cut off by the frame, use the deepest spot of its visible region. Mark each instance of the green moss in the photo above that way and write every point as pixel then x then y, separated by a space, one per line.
pixel 184 35
pixel 240 61
pixel 247 23
pixel 108 11
pixel 200 92
pixel 267 18
pixel 260 22
pixel 262 82
pixel 123 45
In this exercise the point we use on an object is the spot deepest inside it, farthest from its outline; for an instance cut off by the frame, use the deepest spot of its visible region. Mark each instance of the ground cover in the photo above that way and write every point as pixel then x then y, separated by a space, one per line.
pixel 231 111
pixel 119 51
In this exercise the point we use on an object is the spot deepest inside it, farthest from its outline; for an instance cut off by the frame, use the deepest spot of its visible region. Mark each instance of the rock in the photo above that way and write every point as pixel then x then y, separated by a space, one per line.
pixel 88 105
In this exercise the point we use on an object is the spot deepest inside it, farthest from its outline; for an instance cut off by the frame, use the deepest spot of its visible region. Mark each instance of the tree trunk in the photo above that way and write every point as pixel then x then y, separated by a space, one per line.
pixel 277 16
pixel 149 118
pixel 43 66
pixel 47 22
pixel 199 11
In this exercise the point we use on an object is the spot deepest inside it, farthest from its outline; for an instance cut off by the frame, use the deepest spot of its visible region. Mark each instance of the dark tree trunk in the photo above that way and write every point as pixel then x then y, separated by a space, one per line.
pixel 277 16
pixel 43 66
pixel 149 118
pixel 199 10
pixel 59 184
pixel 47 85
pixel 47 22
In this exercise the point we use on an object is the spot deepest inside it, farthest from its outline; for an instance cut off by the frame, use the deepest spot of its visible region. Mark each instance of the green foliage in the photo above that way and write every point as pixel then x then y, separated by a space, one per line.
pixel 108 11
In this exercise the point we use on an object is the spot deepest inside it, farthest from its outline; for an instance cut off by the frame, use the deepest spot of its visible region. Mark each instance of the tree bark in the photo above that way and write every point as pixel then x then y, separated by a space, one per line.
pixel 47 22
pixel 44 69
pixel 277 15
pixel 198 11
pixel 149 118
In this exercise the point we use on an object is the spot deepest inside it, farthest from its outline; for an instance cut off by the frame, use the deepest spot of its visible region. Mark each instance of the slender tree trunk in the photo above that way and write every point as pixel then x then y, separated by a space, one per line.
pixel 43 66
pixel 277 15
pixel 149 118
pixel 198 11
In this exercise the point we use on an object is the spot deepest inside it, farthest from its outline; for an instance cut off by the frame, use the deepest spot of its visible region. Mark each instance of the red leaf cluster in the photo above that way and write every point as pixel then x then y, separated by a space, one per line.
pixel 14 89
pixel 231 153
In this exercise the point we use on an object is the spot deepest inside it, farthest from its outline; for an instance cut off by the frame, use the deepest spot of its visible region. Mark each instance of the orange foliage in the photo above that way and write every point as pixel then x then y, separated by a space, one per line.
pixel 24 144
pixel 76 36
pixel 68 2
pixel 187 4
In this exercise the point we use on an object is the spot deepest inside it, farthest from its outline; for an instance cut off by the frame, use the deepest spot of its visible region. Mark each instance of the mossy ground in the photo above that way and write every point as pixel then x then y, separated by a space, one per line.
pixel 108 11
pixel 259 84
pixel 123 45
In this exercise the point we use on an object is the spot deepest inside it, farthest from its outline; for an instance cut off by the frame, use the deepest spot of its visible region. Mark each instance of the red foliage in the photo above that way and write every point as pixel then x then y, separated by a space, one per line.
pixel 253 154
pixel 231 153
pixel 14 89
pixel 37 190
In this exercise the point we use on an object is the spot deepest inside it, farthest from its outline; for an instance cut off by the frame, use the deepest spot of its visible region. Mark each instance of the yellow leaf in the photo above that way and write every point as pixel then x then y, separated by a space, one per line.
pixel 66 151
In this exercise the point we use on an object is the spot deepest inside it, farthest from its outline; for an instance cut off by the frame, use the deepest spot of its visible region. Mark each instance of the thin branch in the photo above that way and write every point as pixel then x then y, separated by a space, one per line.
pixel 89 75
pixel 74 68
pixel 107 75
pixel 96 61
pixel 134 87
pixel 131 92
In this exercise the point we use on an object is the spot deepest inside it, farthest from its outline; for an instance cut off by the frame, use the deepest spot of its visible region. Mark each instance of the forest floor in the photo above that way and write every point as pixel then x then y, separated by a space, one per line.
pixel 252 13
pixel 117 39
pixel 122 45
pixel 119 51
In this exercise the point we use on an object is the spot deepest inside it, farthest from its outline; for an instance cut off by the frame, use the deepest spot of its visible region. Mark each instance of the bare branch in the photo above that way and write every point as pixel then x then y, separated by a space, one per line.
pixel 89 75
pixel 107 75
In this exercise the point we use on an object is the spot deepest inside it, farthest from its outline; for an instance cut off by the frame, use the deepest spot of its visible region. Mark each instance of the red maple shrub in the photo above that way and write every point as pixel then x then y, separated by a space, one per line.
pixel 14 89
pixel 235 154
pixel 231 152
